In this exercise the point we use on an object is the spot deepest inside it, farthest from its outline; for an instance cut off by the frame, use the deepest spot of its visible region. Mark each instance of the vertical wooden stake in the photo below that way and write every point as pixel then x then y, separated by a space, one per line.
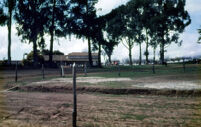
pixel 74 97
pixel 43 71
pixel 119 71
pixel 184 66
pixel 153 68
pixel 85 69
pixel 16 71
pixel 62 71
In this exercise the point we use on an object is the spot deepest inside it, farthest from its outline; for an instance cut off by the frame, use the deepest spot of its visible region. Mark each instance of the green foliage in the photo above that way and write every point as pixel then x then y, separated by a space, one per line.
pixel 170 19
pixel 57 12
pixel 84 18
pixel 113 29
pixel 3 17
pixel 84 21
pixel 30 59
pixel 9 7
pixel 56 52
pixel 30 23
pixel 30 20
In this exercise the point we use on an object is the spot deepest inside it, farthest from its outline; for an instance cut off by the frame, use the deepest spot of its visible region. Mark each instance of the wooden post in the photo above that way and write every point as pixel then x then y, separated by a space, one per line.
pixel 85 69
pixel 43 71
pixel 16 69
pixel 62 71
pixel 119 71
pixel 184 66
pixel 74 97
pixel 153 68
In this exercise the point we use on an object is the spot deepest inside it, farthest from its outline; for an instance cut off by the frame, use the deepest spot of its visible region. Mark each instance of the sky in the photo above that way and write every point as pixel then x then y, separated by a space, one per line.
pixel 189 47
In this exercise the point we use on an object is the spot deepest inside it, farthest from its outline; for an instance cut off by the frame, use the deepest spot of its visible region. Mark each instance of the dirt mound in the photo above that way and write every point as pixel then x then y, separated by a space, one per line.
pixel 118 91
pixel 91 80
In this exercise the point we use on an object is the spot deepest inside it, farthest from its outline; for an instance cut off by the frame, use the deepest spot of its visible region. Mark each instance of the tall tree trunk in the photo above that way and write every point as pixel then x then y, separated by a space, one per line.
pixel 52 34
pixel 130 51
pixel 99 55
pixel 110 61
pixel 9 36
pixel 154 60
pixel 89 53
pixel 35 57
pixel 140 56
pixel 89 42
pixel 147 45
pixel 130 56
pixel 162 51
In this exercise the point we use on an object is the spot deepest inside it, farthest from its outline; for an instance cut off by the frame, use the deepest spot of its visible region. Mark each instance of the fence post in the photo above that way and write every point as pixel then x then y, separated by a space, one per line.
pixel 184 66
pixel 119 71
pixel 74 96
pixel 85 69
pixel 62 71
pixel 153 68
pixel 16 69
pixel 43 71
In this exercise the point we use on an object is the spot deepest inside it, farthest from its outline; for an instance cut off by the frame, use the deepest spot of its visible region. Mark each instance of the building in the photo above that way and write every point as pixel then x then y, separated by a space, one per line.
pixel 77 57
pixel 82 58
pixel 55 58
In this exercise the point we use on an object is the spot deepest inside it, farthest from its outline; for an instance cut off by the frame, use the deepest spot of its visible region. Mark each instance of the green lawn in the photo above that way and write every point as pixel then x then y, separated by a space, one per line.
pixel 146 70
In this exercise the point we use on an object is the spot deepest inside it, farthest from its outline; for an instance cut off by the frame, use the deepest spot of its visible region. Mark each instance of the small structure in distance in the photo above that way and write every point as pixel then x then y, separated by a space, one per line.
pixel 80 58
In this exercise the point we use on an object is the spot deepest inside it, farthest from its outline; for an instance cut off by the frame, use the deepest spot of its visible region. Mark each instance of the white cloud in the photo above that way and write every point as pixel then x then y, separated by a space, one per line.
pixel 193 6
pixel 107 5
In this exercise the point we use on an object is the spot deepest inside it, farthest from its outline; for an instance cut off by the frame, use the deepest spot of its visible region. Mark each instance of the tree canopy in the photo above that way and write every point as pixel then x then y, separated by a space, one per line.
pixel 30 22
pixel 84 21
pixel 154 23
pixel 3 17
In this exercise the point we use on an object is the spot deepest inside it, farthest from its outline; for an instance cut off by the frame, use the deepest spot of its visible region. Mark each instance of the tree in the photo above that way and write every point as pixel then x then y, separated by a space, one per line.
pixel 147 10
pixel 57 12
pixel 30 23
pixel 10 5
pixel 134 8
pixel 119 28
pixel 112 31
pixel 154 43
pixel 170 19
pixel 98 38
pixel 56 52
pixel 30 57
pixel 108 47
pixel 84 21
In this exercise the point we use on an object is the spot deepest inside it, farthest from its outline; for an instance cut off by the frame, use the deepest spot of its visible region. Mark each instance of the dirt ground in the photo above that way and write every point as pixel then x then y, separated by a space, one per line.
pixel 98 110
pixel 48 103
pixel 170 85
pixel 153 82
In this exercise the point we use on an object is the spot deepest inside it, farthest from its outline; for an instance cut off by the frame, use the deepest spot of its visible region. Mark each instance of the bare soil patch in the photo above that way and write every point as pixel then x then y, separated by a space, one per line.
pixel 55 109
pixel 146 86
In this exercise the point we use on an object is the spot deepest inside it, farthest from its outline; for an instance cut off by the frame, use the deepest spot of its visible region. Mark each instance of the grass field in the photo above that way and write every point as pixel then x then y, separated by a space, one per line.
pixel 101 110
pixel 41 108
